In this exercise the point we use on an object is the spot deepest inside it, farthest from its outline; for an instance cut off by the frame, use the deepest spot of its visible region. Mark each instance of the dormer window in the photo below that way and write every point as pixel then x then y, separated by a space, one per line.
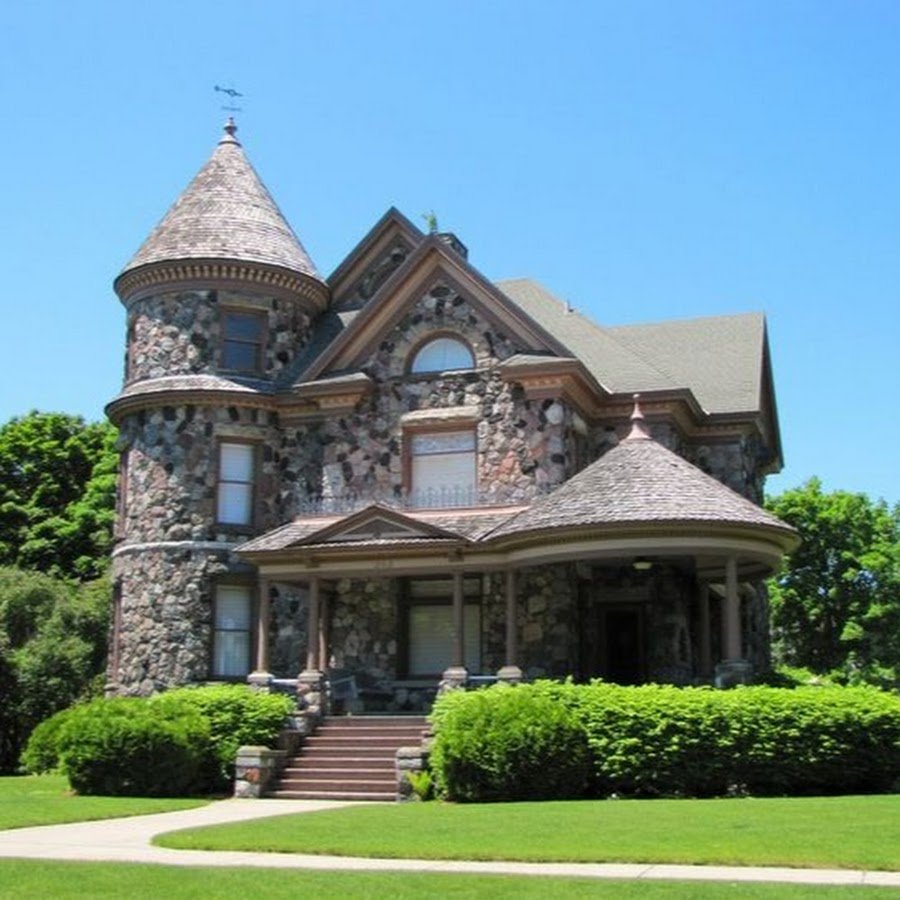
pixel 443 354
pixel 242 341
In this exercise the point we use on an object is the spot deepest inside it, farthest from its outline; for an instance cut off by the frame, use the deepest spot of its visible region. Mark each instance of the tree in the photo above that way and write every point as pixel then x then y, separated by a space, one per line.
pixel 57 494
pixel 52 650
pixel 836 603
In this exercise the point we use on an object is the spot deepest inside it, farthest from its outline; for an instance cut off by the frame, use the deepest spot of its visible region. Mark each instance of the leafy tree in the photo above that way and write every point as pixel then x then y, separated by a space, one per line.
pixel 57 494
pixel 836 604
pixel 52 650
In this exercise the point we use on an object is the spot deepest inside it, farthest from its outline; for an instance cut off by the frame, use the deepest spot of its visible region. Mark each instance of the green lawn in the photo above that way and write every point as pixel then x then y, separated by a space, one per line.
pixel 61 880
pixel 826 832
pixel 46 800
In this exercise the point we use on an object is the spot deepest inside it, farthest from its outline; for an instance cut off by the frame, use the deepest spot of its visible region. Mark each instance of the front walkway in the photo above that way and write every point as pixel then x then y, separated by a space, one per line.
pixel 128 840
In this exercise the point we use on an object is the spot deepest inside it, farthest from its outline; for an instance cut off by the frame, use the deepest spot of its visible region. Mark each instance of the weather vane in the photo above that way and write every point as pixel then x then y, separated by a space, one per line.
pixel 232 95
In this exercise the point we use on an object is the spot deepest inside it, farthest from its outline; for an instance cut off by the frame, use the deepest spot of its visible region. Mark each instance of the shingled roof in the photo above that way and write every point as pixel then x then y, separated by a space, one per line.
pixel 226 213
pixel 661 356
pixel 639 482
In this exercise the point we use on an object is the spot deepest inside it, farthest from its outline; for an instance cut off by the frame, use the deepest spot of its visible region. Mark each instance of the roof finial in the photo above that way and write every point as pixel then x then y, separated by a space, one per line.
pixel 638 429
pixel 230 130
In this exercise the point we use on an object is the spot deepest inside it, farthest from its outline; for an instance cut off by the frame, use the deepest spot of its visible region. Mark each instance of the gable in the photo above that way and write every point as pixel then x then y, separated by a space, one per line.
pixel 374 523
pixel 431 264
pixel 374 259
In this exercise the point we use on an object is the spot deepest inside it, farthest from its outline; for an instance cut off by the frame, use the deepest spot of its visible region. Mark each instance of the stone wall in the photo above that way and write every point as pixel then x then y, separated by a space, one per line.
pixel 523 446
pixel 165 624
pixel 288 625
pixel 172 470
pixel 549 620
pixel 180 333
pixel 736 464
pixel 363 627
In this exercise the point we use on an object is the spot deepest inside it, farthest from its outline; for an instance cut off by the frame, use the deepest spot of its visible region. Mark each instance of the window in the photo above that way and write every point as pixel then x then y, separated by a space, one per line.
pixel 231 634
pixel 242 341
pixel 429 621
pixel 122 494
pixel 442 471
pixel 441 354
pixel 234 503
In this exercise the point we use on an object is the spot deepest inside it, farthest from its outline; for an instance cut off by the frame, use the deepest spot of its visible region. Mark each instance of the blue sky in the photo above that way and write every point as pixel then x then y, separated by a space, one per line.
pixel 644 160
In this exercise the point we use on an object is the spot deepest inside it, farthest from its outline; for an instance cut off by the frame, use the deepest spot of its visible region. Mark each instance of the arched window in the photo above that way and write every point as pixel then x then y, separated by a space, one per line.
pixel 441 354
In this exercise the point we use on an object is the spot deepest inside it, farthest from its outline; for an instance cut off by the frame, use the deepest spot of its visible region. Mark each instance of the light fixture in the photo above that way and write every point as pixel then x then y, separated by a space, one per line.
pixel 641 564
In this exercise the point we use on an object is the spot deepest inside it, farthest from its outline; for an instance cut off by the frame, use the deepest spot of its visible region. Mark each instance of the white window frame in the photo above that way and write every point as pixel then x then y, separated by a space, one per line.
pixel 443 468
pixel 232 632
pixel 236 487
pixel 444 353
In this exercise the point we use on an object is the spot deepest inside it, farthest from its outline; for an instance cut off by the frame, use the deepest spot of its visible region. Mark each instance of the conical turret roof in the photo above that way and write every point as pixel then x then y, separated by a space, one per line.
pixel 640 482
pixel 225 214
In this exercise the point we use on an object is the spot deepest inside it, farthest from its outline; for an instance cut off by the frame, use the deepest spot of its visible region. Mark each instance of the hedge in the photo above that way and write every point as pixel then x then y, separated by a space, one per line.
pixel 182 741
pixel 506 743
pixel 659 740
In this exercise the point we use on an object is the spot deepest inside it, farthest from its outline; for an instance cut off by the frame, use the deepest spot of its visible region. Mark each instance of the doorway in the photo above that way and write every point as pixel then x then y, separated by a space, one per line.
pixel 621 645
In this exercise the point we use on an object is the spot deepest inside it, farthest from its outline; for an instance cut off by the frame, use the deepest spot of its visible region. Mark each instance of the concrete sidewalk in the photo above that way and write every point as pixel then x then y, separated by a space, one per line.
pixel 128 840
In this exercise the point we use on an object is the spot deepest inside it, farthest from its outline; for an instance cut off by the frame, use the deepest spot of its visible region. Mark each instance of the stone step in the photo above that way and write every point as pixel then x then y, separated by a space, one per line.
pixel 370 742
pixel 367 721
pixel 389 796
pixel 359 786
pixel 293 774
pixel 338 765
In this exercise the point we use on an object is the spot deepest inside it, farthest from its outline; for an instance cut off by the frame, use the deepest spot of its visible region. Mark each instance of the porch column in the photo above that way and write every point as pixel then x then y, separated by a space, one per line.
pixel 311 682
pixel 510 670
pixel 456 675
pixel 732 612
pixel 324 605
pixel 312 639
pixel 733 669
pixel 260 677
pixel 705 635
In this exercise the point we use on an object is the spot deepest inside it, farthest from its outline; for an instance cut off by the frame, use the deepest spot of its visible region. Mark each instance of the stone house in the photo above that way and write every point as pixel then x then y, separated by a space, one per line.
pixel 404 474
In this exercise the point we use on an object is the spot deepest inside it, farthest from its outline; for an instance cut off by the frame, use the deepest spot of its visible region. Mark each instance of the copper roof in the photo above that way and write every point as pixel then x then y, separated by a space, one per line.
pixel 226 213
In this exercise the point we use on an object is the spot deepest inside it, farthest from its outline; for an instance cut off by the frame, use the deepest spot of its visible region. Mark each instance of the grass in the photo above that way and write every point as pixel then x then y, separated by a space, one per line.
pixel 62 880
pixel 46 800
pixel 830 832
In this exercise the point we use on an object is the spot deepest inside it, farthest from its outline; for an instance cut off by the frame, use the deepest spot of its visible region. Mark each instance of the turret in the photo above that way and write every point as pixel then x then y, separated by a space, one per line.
pixel 219 300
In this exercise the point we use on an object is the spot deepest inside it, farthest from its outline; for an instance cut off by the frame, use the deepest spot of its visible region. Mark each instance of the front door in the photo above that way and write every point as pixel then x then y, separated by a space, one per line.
pixel 622 660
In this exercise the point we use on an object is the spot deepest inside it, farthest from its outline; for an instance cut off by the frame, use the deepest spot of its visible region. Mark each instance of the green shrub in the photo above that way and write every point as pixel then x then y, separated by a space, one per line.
pixel 236 715
pixel 132 747
pixel 507 743
pixel 660 740
pixel 41 753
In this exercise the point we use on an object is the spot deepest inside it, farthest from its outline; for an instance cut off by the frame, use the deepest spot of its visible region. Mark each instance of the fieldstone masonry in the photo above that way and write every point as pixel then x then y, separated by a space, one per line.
pixel 172 552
